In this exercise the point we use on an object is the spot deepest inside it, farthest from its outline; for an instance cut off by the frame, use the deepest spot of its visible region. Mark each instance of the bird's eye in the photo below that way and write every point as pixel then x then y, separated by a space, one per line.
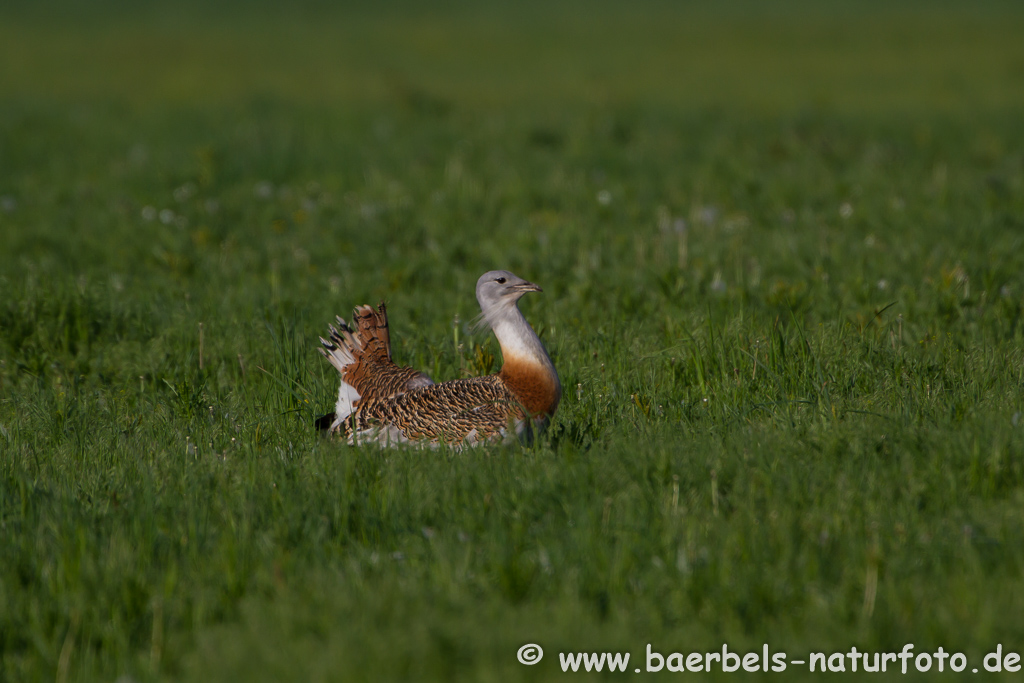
pixel 500 280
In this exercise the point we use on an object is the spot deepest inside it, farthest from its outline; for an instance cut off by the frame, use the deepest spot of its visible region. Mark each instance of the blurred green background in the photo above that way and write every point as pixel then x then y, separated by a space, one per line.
pixel 781 247
pixel 908 57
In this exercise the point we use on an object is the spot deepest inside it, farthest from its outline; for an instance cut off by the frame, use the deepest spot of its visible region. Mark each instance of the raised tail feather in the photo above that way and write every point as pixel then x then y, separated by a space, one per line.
pixel 363 359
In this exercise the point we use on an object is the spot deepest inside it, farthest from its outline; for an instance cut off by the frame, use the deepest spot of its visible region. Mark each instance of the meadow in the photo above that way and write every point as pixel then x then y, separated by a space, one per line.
pixel 782 253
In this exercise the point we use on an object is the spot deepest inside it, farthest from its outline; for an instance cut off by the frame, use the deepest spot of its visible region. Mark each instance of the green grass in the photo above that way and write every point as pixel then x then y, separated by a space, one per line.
pixel 782 255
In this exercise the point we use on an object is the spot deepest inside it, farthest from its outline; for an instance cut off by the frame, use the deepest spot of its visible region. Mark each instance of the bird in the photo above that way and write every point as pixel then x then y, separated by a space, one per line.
pixel 380 402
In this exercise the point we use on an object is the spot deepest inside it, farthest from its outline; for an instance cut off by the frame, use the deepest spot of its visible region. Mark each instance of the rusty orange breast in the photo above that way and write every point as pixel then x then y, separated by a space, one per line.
pixel 535 387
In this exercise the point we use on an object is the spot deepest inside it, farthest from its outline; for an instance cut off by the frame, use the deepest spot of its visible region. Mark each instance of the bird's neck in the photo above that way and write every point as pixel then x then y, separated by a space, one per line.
pixel 527 369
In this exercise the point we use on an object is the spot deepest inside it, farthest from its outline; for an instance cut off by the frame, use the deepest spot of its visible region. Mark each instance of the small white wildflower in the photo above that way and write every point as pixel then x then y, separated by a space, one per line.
pixel 166 216
pixel 604 197
pixel 263 190
pixel 708 215
pixel 718 284
pixel 883 284
pixel 148 213
pixel 682 566
pixel 845 210
pixel 184 192
pixel 544 560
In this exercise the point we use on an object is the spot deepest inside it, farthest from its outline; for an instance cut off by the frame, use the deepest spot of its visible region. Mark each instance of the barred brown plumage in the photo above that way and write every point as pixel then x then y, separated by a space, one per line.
pixel 378 401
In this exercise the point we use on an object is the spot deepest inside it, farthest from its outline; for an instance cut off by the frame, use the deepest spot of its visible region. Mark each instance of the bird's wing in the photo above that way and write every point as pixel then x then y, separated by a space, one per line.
pixel 472 409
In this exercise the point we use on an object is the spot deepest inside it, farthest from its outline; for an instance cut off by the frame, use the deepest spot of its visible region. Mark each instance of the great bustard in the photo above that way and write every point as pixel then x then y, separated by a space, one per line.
pixel 381 402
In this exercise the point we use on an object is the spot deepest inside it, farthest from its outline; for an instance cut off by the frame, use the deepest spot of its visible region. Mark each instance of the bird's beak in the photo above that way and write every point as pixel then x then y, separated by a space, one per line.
pixel 527 287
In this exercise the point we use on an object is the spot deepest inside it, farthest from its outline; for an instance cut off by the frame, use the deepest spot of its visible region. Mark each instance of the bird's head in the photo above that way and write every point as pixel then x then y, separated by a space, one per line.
pixel 497 289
